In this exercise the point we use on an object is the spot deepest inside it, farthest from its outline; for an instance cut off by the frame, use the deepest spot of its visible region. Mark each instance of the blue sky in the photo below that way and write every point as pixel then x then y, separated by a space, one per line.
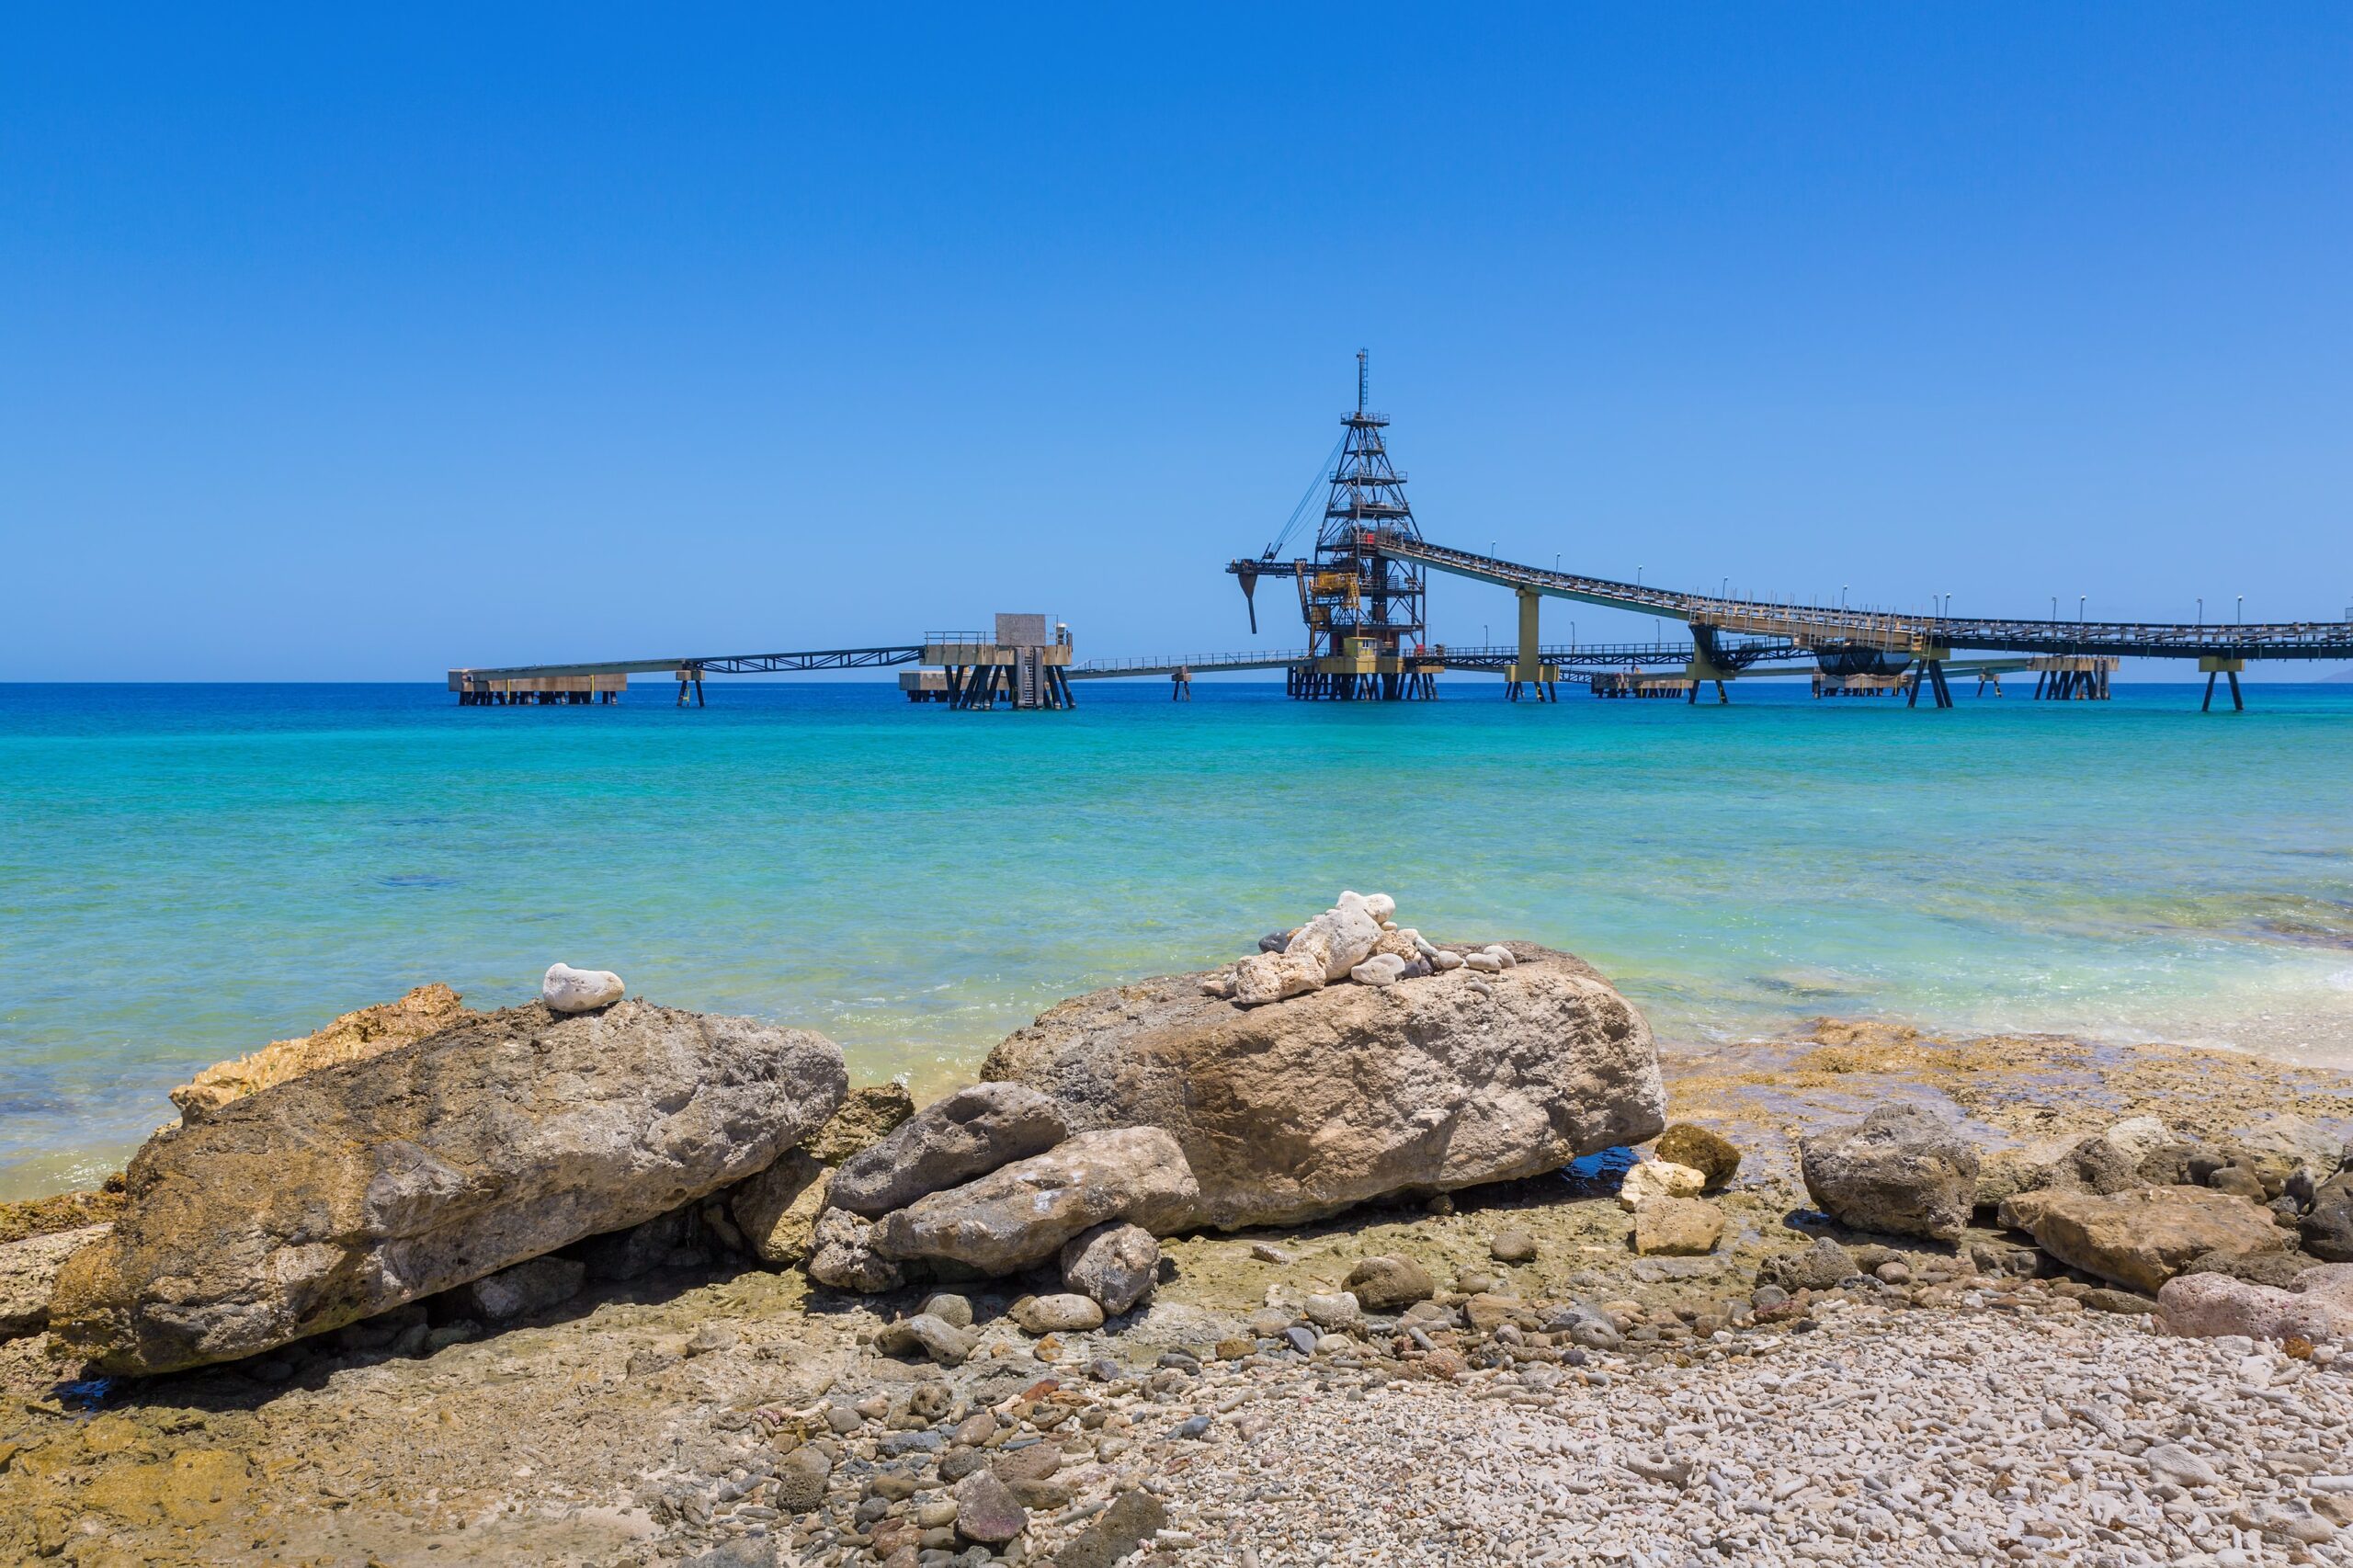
pixel 355 345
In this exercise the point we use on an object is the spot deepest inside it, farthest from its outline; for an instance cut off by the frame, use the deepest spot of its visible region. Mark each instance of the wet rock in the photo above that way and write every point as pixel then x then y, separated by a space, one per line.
pixel 568 990
pixel 359 1186
pixel 1117 1264
pixel 1293 1112
pixel 2144 1237
pixel 1712 1155
pixel 1386 1284
pixel 777 1210
pixel 867 1116
pixel 970 1133
pixel 517 1291
pixel 1063 1312
pixel 1019 1215
pixel 841 1254
pixel 1676 1227
pixel 1900 1171
pixel 28 1272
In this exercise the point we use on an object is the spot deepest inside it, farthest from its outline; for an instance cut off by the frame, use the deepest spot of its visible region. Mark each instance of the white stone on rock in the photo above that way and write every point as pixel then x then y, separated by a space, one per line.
pixel 1381 968
pixel 1485 963
pixel 1658 1178
pixel 568 990
pixel 1500 954
pixel 1443 959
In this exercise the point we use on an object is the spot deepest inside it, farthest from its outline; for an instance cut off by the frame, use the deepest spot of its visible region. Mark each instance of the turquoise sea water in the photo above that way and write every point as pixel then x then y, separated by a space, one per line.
pixel 186 872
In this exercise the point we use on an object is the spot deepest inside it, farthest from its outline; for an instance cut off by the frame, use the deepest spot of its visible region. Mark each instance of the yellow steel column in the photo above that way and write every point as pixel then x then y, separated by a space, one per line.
pixel 1529 666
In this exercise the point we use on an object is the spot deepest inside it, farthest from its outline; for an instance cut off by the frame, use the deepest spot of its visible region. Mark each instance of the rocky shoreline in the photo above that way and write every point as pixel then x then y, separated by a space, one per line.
pixel 1373 1270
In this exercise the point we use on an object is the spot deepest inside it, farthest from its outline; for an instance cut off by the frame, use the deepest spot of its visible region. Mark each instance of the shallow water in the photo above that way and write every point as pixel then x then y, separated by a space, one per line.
pixel 188 872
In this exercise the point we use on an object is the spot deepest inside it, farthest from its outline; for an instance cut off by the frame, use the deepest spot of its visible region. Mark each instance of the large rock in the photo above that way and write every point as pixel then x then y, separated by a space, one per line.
pixel 970 1133
pixel 359 1186
pixel 1289 1113
pixel 1019 1215
pixel 353 1037
pixel 2144 1237
pixel 1386 1284
pixel 777 1210
pixel 1900 1171
pixel 28 1272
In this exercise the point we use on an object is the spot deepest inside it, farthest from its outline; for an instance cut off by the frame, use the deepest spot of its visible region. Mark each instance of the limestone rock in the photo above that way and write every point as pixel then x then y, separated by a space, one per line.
pixel 1647 1179
pixel 970 1133
pixel 2138 1136
pixel 568 990
pixel 1334 1309
pixel 2278 1270
pixel 1676 1227
pixel 1900 1171
pixel 1063 1312
pixel 353 1037
pixel 521 1289
pixel 2209 1305
pixel 27 1273
pixel 1019 1215
pixel 867 1116
pixel 357 1188
pixel 1818 1267
pixel 842 1255
pixel 1386 1284
pixel 1116 1264
pixel 1295 1112
pixel 1712 1154
pixel 926 1334
pixel 777 1210
pixel 2144 1237
pixel 1381 968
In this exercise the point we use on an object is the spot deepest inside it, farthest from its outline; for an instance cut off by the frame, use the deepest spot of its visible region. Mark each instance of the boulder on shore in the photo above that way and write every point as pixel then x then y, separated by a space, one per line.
pixel 1900 1171
pixel 1019 1215
pixel 1297 1110
pixel 867 1116
pixel 568 990
pixel 2207 1306
pixel 777 1210
pixel 1713 1155
pixel 2144 1237
pixel 359 1186
pixel 970 1133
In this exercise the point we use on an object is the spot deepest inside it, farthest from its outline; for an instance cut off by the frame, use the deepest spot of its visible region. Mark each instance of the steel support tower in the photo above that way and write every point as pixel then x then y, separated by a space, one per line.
pixel 1366 610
